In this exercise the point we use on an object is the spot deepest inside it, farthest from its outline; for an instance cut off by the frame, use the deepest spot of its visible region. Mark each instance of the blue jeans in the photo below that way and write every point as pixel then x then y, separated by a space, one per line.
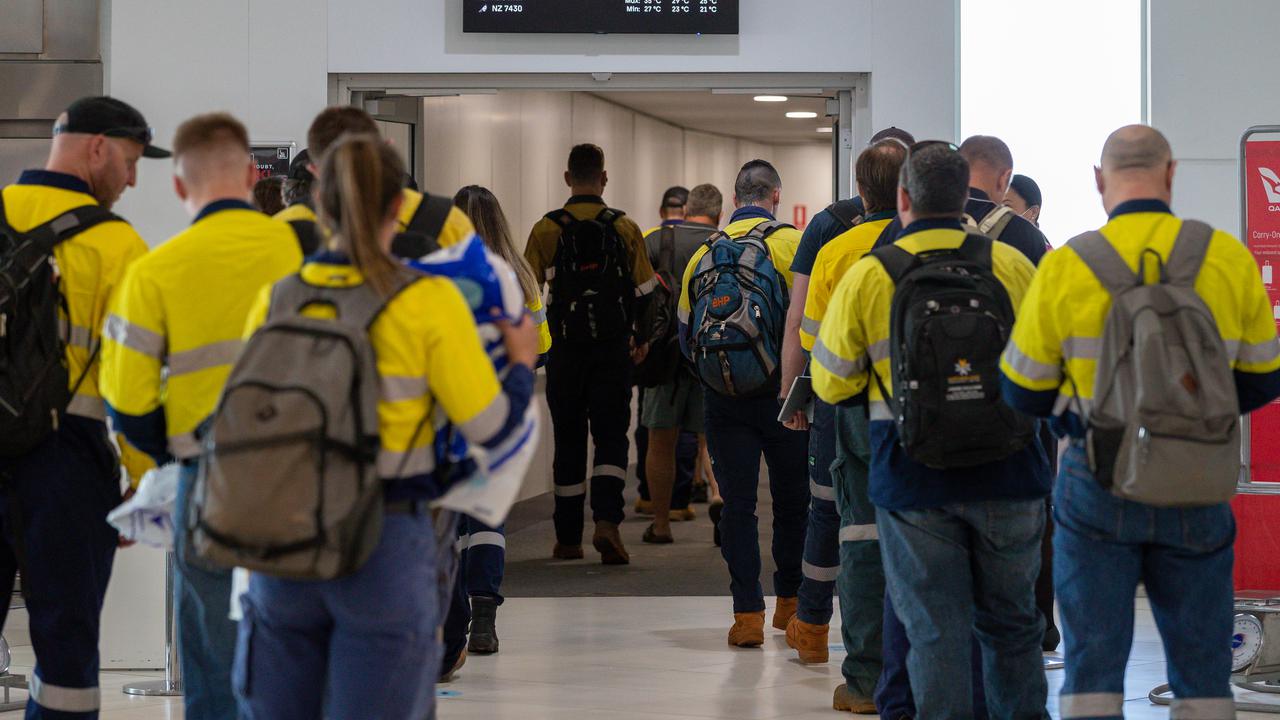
pixel 739 430
pixel 1103 547
pixel 963 570
pixel 206 634
pixel 893 691
pixel 821 565
pixel 360 646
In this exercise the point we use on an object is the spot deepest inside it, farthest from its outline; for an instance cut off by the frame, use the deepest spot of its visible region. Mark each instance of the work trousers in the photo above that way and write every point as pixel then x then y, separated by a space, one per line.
pixel 739 431
pixel 821 566
pixel 1104 547
pixel 588 388
pixel 361 646
pixel 53 507
pixel 206 633
pixel 481 561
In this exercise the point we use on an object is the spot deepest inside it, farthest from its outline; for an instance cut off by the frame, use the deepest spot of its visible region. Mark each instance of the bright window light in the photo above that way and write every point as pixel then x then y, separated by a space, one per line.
pixel 770 98
pixel 1052 80
pixel 802 115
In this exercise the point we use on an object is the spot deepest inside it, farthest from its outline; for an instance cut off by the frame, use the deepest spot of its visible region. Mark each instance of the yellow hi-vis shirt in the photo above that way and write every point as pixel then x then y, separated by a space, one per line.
pixel 854 338
pixel 176 324
pixel 1052 358
pixel 782 250
pixel 90 267
pixel 431 364
pixel 829 267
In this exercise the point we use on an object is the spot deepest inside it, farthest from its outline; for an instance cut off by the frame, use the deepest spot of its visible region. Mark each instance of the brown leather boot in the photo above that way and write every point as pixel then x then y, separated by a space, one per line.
pixel 784 611
pixel 608 542
pixel 567 552
pixel 846 700
pixel 810 641
pixel 747 630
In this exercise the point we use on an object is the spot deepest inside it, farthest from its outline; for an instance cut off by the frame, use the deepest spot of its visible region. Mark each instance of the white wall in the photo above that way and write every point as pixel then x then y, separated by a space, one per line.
pixel 1212 75
pixel 515 143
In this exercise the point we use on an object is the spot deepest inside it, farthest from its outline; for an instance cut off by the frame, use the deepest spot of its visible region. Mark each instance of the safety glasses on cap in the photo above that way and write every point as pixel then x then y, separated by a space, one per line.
pixel 141 135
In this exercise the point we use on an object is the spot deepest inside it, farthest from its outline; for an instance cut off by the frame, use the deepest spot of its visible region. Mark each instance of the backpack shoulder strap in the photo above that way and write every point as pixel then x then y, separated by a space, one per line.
pixel 977 249
pixel 69 224
pixel 431 215
pixel 609 215
pixel 667 249
pixel 561 217
pixel 308 236
pixel 1102 259
pixel 994 224
pixel 845 212
pixel 768 228
pixel 896 261
pixel 1188 253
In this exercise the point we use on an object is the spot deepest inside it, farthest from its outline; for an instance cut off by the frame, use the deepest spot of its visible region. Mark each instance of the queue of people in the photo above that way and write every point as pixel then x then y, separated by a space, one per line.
pixel 910 367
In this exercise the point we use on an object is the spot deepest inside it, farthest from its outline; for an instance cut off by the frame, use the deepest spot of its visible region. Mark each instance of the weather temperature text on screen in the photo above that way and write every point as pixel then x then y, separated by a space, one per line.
pixel 667 17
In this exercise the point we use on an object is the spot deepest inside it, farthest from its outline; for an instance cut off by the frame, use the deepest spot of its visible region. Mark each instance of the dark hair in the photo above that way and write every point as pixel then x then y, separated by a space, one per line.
pixel 675 197
pixel 210 130
pixel 895 133
pixel 296 191
pixel 481 205
pixel 936 178
pixel 360 178
pixel 877 174
pixel 756 182
pixel 332 123
pixel 1027 189
pixel 586 163
pixel 987 150
pixel 267 196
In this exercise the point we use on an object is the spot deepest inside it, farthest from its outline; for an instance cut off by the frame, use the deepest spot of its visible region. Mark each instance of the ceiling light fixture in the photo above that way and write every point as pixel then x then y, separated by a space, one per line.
pixel 802 115
pixel 825 129
pixel 770 98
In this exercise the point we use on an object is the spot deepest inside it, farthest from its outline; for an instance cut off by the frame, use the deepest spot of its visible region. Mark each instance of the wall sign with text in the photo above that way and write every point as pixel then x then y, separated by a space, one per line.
pixel 272 160
pixel 671 17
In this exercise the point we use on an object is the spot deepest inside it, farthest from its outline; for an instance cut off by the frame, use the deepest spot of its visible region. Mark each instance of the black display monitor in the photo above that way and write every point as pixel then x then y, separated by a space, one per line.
pixel 667 17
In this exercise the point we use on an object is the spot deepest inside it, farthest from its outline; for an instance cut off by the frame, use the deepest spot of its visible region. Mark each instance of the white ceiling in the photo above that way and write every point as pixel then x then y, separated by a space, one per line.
pixel 736 115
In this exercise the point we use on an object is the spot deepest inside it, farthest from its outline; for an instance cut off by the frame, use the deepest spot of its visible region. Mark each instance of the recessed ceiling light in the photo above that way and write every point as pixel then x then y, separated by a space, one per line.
pixel 770 98
pixel 802 115
pixel 824 129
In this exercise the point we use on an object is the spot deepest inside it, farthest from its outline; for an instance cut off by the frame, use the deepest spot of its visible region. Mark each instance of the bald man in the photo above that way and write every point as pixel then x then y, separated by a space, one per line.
pixel 174 330
pixel 1105 544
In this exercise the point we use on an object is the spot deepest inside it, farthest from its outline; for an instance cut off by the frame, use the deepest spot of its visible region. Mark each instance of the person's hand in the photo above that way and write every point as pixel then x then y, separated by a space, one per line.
pixel 521 340
pixel 120 541
pixel 638 354
pixel 799 421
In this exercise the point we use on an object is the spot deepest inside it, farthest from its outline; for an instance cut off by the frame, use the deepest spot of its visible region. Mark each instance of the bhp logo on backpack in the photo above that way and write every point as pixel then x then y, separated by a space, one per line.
pixel 720 301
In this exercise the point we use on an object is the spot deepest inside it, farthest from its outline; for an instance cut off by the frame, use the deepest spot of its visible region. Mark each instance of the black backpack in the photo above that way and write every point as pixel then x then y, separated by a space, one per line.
pixel 592 292
pixel 421 236
pixel 949 323
pixel 34 379
pixel 847 212
pixel 659 325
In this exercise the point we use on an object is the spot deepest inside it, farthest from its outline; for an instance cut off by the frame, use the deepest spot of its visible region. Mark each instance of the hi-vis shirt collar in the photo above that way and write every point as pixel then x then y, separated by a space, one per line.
pixel 585 200
pixel 930 224
pixel 219 206
pixel 747 212
pixel 51 178
pixel 1141 205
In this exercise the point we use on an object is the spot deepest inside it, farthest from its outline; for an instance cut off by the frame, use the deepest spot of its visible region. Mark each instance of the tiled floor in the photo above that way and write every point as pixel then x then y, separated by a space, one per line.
pixel 640 659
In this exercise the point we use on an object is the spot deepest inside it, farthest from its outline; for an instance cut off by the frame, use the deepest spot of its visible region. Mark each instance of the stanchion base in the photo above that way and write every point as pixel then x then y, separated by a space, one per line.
pixel 154 688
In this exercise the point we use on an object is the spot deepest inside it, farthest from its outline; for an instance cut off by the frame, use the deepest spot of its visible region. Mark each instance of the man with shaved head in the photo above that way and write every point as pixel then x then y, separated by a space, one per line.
pixel 1106 544
pixel 174 329
pixel 990 171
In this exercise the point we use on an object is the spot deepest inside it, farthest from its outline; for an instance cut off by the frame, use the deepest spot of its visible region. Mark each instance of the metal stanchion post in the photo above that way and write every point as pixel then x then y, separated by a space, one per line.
pixel 171 685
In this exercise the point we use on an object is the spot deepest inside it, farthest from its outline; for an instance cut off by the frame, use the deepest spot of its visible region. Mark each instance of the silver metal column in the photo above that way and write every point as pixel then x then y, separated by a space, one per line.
pixel 171 685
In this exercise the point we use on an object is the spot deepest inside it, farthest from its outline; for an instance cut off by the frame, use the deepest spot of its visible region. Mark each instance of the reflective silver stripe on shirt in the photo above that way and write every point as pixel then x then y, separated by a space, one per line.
pixel 550 274
pixel 822 492
pixel 394 465
pixel 810 326
pixel 879 410
pixel 395 388
pixel 87 406
pixel 64 699
pixel 80 336
pixel 134 337
pixel 1202 708
pixel 612 471
pixel 878 351
pixel 859 533
pixel 494 539
pixel 837 365
pixel 820 574
pixel 647 286
pixel 682 315
pixel 571 490
pixel 539 316
pixel 204 357
pixel 481 428
pixel 1084 705
pixel 1256 353
pixel 1078 347
pixel 1029 367
pixel 184 446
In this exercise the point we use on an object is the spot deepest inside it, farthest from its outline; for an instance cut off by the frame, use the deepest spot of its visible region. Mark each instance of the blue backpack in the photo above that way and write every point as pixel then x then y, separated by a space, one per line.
pixel 738 313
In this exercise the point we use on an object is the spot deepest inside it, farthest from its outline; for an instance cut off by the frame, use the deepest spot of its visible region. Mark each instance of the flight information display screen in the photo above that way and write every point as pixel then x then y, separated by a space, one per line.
pixel 668 17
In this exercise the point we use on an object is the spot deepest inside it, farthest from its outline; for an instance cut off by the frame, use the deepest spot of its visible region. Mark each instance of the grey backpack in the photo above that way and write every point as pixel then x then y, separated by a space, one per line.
pixel 288 483
pixel 1164 426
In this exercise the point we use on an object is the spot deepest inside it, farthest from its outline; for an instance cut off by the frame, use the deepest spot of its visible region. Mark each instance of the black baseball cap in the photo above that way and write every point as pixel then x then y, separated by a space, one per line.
pixel 298 169
pixel 675 197
pixel 112 118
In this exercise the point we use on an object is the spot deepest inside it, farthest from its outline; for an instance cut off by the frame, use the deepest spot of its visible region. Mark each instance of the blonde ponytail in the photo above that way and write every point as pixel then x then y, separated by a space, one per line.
pixel 360 179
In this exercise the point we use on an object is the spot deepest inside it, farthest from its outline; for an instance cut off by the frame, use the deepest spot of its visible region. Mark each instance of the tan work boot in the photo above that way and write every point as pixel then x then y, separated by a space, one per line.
pixel 684 514
pixel 567 552
pixel 644 507
pixel 846 700
pixel 809 640
pixel 784 611
pixel 747 630
pixel 608 542
pixel 453 671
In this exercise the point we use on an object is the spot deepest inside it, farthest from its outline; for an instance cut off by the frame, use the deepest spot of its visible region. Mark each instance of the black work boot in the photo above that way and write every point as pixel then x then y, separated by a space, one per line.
pixel 484 631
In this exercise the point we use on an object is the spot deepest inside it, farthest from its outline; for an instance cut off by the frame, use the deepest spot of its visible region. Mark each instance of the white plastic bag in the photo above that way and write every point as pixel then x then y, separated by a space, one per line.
pixel 147 517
